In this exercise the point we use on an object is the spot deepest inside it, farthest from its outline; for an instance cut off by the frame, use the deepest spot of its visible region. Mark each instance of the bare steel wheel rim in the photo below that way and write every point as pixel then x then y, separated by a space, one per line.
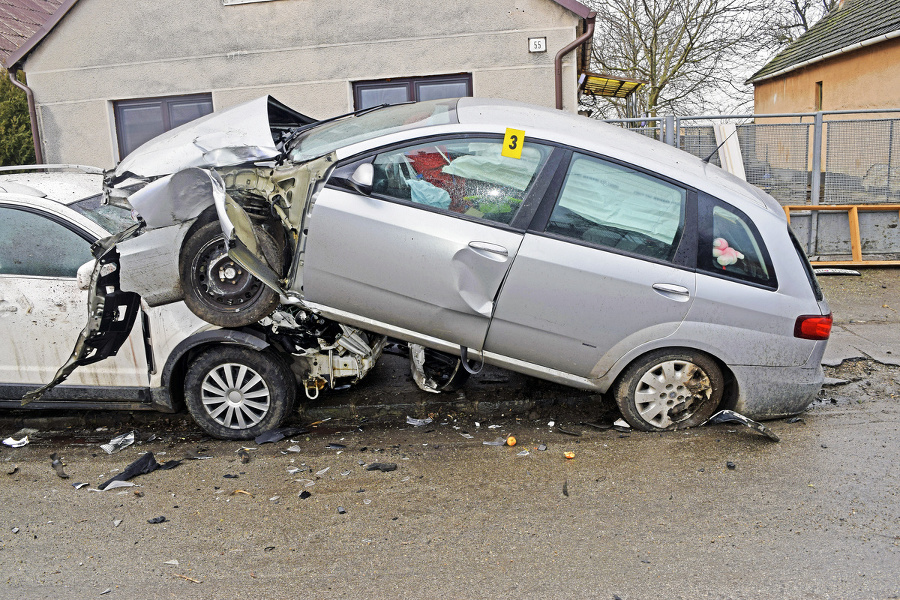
pixel 222 284
pixel 235 396
pixel 671 392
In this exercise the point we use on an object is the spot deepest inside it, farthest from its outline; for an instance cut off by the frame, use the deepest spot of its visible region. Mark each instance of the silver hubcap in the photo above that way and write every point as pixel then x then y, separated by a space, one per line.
pixel 235 396
pixel 671 392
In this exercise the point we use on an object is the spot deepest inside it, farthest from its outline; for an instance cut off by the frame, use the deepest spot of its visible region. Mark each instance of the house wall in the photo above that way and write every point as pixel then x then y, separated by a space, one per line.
pixel 862 79
pixel 304 53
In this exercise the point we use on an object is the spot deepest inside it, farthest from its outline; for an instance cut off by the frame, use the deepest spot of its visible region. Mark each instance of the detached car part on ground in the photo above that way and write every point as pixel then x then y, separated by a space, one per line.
pixel 491 231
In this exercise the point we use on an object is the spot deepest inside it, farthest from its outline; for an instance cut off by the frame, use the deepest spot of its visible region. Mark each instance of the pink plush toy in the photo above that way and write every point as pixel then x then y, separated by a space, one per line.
pixel 724 254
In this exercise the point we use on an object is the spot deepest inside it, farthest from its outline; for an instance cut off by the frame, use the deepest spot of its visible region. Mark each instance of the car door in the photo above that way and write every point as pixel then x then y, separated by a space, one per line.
pixel 42 310
pixel 427 250
pixel 599 272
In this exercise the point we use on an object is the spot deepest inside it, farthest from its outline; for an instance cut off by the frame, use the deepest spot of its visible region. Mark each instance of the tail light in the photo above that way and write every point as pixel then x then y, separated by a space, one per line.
pixel 813 327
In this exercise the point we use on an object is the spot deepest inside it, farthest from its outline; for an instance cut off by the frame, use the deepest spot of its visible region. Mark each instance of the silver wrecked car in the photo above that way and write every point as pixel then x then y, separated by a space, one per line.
pixel 484 231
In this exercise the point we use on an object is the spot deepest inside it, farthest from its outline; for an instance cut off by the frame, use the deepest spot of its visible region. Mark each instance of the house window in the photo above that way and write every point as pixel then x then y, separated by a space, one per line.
pixel 818 96
pixel 395 91
pixel 138 121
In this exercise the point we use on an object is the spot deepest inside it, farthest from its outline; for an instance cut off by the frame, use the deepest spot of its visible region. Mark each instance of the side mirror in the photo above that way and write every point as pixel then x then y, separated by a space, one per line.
pixel 363 178
pixel 83 276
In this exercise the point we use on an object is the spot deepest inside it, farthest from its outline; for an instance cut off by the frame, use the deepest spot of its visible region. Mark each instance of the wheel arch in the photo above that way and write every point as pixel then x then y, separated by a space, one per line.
pixel 730 393
pixel 177 361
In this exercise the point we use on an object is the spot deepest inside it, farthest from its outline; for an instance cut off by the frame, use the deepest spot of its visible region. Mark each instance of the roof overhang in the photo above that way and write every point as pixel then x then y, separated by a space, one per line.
pixel 19 55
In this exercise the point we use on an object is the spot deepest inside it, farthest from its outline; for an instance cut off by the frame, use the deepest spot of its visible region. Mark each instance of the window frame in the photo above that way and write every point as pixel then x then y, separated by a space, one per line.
pixel 685 256
pixel 412 85
pixel 164 102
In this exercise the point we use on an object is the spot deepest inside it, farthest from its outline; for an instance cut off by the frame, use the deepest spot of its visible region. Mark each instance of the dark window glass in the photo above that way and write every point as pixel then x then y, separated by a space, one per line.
pixel 618 207
pixel 410 89
pixel 731 246
pixel 138 121
pixel 469 177
pixel 32 244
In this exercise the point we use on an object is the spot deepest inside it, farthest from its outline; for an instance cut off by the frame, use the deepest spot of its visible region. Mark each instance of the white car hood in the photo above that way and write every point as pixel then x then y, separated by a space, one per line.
pixel 233 136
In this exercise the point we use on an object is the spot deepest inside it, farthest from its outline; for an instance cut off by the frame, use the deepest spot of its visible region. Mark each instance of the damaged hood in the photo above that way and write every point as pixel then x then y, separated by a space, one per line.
pixel 240 134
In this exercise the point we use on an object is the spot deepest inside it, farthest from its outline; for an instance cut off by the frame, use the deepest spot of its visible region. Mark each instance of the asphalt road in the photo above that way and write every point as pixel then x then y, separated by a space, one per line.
pixel 632 515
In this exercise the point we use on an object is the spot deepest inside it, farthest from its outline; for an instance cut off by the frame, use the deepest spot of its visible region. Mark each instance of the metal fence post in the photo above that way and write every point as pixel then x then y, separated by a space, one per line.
pixel 816 183
pixel 670 130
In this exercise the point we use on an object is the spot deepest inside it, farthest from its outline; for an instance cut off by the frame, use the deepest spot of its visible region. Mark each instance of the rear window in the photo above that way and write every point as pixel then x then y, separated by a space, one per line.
pixel 730 245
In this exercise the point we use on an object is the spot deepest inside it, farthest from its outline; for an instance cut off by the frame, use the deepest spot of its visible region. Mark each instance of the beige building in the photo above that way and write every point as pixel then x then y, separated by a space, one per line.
pixel 106 75
pixel 846 61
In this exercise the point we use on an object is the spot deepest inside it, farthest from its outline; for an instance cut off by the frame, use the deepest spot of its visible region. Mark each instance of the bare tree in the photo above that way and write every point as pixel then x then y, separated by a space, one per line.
pixel 792 18
pixel 691 53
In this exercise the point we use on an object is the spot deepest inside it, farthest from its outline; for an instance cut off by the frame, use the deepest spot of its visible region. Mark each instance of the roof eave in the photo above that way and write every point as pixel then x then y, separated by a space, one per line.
pixel 846 49
pixel 12 61
pixel 576 7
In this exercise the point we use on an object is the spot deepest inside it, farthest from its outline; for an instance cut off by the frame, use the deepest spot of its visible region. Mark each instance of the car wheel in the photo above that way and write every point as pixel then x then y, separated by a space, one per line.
pixel 235 393
pixel 219 290
pixel 435 371
pixel 669 389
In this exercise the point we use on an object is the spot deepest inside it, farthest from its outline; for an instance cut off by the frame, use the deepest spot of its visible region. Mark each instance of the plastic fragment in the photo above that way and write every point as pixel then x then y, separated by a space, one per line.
pixel 57 465
pixel 236 492
pixel 542 447
pixel 16 443
pixel 15 530
pixel 523 453
pixel 342 510
pixel 468 436
pixel 335 447
pixel 322 472
pixel 567 432
pixel 418 422
pixel 13 471
pixel 383 467
pixel 731 466
pixel 117 522
pixel 276 435
pixel 172 562
pixel 145 464
pixel 296 449
pixel 244 455
pixel 106 591
pixel 119 442
pixel 78 485
pixel 621 425
pixel 304 495
pixel 497 442
pixel 156 520
pixel 729 416
pixel 566 488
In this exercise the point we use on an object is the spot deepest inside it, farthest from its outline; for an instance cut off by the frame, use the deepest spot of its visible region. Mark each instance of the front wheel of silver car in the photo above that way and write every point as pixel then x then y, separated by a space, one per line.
pixel 236 393
pixel 219 290
pixel 669 389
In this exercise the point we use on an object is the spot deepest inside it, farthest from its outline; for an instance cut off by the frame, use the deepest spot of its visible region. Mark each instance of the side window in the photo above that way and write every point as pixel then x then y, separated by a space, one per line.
pixel 618 207
pixel 31 244
pixel 469 176
pixel 731 245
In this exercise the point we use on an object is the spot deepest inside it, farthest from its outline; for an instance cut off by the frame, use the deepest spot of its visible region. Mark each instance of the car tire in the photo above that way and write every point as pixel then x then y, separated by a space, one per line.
pixel 233 298
pixel 441 372
pixel 669 389
pixel 236 393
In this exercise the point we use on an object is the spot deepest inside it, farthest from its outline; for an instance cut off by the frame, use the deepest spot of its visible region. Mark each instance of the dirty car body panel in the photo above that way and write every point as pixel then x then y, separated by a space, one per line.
pixel 523 237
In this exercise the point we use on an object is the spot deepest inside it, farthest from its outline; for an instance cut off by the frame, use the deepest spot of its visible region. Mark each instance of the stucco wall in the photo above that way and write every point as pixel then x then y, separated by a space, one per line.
pixel 305 53
pixel 863 79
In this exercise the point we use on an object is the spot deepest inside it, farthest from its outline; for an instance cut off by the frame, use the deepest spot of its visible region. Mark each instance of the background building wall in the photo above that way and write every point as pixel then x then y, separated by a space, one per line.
pixel 306 54
pixel 863 79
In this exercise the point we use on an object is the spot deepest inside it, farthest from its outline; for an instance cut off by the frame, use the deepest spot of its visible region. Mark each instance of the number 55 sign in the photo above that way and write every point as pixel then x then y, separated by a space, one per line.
pixel 537 44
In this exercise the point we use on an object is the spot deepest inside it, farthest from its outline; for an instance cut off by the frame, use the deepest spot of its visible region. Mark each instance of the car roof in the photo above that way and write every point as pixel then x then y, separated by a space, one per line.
pixel 613 141
pixel 62 187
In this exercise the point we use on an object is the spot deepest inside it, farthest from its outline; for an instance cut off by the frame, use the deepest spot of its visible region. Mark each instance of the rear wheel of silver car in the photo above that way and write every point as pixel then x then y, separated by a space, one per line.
pixel 219 290
pixel 236 393
pixel 669 389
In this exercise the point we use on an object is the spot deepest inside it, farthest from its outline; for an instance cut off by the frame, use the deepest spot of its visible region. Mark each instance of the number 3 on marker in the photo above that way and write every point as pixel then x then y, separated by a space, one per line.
pixel 512 143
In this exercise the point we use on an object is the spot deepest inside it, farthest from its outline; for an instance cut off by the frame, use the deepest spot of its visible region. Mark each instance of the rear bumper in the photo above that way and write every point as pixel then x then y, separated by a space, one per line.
pixel 774 392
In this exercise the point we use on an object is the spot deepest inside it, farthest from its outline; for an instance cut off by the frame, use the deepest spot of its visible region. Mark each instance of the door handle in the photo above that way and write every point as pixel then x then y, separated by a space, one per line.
pixel 679 293
pixel 489 247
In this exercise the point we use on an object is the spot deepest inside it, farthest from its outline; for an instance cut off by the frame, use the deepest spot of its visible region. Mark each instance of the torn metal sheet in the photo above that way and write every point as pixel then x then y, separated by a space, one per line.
pixel 119 442
pixel 179 197
pixel 729 416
